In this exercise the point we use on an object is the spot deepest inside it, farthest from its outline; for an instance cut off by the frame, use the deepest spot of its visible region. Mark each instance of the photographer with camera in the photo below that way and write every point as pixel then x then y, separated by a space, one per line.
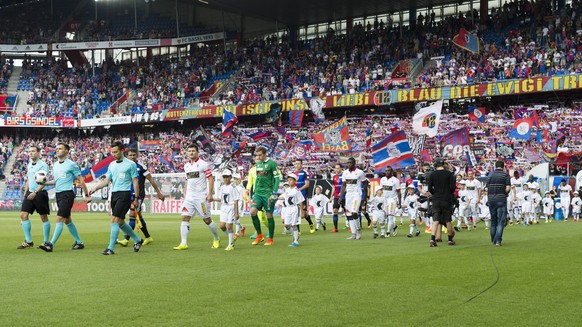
pixel 442 185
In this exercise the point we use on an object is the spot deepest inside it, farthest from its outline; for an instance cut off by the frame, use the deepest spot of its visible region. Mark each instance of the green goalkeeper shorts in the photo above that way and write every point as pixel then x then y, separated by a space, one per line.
pixel 264 203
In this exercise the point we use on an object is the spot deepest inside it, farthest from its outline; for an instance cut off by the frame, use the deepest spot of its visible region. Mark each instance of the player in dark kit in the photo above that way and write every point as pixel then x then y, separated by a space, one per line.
pixel 337 187
pixel 142 175
pixel 303 186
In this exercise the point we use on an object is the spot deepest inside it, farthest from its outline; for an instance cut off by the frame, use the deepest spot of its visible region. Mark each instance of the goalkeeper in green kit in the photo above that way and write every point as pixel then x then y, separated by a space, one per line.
pixel 266 186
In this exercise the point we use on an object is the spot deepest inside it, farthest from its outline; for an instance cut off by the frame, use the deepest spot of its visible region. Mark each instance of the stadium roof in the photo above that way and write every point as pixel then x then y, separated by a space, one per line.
pixel 306 12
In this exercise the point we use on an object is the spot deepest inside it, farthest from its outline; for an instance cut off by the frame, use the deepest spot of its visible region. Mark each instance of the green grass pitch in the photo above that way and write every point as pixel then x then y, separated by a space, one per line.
pixel 327 281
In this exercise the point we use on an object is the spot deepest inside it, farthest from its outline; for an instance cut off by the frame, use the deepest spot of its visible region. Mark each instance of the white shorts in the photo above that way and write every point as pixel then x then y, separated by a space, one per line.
pixel 412 213
pixel 526 208
pixel 379 216
pixel 353 203
pixel 193 207
pixel 391 206
pixel 318 212
pixel 227 215
pixel 548 210
pixel 290 216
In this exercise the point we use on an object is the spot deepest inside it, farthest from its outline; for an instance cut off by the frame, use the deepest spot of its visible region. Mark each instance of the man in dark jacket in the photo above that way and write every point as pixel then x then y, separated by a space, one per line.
pixel 442 185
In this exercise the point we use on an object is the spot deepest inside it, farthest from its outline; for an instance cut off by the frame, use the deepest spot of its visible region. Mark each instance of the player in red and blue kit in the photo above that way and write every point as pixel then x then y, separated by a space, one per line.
pixel 337 202
pixel 303 186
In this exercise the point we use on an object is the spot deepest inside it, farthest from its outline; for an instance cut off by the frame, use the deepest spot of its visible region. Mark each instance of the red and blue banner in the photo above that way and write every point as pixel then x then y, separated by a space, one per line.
pixel 228 120
pixel 260 135
pixel 467 41
pixel 334 138
pixel 7 102
pixel 296 117
pixel 167 160
pixel 456 143
pixel 477 113
pixel 368 137
pixel 101 167
pixel 393 151
pixel 522 128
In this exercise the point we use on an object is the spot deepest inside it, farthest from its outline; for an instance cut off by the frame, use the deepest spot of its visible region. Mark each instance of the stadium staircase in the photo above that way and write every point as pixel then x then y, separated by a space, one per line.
pixel 7 169
pixel 13 89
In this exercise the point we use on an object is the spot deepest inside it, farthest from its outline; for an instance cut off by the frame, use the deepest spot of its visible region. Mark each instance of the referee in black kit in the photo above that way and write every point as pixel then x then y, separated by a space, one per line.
pixel 442 185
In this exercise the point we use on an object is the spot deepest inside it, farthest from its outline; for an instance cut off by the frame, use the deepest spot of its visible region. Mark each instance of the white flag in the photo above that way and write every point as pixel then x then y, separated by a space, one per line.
pixel 426 120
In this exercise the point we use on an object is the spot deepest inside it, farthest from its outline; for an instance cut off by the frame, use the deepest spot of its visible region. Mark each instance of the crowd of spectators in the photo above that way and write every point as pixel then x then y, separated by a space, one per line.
pixel 524 41
pixel 6 146
pixel 5 71
pixel 167 153
pixel 519 40
pixel 28 23
pixel 162 83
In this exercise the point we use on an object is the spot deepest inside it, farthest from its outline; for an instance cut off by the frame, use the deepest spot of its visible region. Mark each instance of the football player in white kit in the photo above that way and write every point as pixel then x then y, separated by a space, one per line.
pixel 292 198
pixel 352 189
pixel 537 202
pixel 576 206
pixel 378 209
pixel 391 187
pixel 513 207
pixel 564 190
pixel 463 203
pixel 527 204
pixel 473 187
pixel 198 195
pixel 239 228
pixel 411 205
pixel 319 201
pixel 229 198
pixel 548 207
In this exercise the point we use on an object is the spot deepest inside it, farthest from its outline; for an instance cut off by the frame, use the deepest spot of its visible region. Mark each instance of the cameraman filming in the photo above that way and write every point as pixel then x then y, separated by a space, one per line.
pixel 441 185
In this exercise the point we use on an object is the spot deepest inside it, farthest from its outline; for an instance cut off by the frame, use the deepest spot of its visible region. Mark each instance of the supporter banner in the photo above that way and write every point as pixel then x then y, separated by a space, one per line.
pixel 416 143
pixel 23 48
pixel 334 138
pixel 478 150
pixel 456 143
pixel 149 117
pixel 197 38
pixel 148 145
pixel 106 44
pixel 7 102
pixel 21 121
pixel 105 121
pixel 506 87
pixel 262 108
pixel 505 150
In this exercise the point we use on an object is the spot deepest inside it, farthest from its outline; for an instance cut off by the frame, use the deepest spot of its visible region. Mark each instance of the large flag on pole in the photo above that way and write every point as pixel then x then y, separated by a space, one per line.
pixel 228 120
pixel 522 128
pixel 101 167
pixel 393 151
pixel 334 138
pixel 466 41
pixel 426 120
pixel 477 113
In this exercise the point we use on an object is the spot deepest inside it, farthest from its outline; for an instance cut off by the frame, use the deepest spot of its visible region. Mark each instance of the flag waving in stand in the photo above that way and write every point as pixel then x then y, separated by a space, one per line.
pixel 393 151
pixel 228 120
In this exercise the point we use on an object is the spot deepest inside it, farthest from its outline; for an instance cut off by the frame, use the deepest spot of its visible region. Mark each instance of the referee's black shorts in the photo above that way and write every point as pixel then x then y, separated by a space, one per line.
pixel 120 203
pixel 442 211
pixel 40 203
pixel 65 201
